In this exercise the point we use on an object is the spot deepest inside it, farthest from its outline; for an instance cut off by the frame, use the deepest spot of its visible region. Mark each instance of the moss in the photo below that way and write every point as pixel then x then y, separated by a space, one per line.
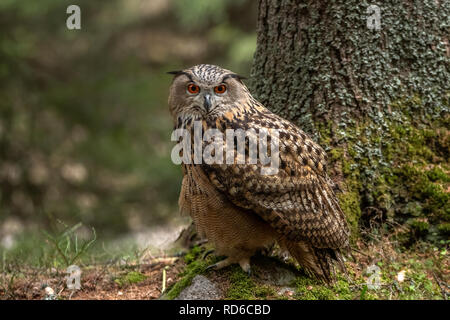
pixel 336 154
pixel 349 202
pixel 417 186
pixel 419 227
pixel 417 284
pixel 192 254
pixel 413 208
pixel 366 294
pixel 437 174
pixel 241 285
pixel 398 117
pixel 310 289
pixel 444 228
pixel 418 281
pixel 400 172
pixel 191 270
pixel 130 278
pixel 244 287
pixel 342 289
pixel 264 291
pixel 195 265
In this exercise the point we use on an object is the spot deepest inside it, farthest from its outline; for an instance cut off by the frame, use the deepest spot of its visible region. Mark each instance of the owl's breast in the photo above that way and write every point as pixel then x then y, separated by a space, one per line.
pixel 217 219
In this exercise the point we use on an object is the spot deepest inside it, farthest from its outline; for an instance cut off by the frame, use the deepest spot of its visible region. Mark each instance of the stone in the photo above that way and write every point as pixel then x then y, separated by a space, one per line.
pixel 201 288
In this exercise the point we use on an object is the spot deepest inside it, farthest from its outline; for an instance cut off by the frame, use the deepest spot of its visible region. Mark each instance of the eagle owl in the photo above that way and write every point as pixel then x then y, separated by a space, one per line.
pixel 236 207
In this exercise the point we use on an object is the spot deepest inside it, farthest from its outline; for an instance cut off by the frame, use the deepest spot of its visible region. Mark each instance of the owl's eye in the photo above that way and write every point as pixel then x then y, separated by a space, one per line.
pixel 220 89
pixel 193 88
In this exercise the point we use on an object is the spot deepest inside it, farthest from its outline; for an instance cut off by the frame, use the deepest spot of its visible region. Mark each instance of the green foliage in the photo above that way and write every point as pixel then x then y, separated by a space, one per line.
pixel 61 247
pixel 197 14
pixel 131 277
pixel 192 269
pixel 67 245
pixel 84 124
pixel 193 254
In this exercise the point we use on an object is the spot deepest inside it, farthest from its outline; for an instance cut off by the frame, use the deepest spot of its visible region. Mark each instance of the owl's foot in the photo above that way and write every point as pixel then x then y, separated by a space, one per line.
pixel 244 263
pixel 221 264
pixel 207 253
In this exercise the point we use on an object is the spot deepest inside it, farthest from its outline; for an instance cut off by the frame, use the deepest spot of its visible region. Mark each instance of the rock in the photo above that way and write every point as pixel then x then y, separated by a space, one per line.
pixel 276 274
pixel 289 291
pixel 282 276
pixel 201 288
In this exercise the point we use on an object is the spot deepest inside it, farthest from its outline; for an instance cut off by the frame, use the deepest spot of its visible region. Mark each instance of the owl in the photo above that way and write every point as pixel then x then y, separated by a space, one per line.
pixel 233 204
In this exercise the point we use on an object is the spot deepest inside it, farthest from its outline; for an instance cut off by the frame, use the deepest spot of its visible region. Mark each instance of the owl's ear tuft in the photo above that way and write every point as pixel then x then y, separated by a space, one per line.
pixel 240 78
pixel 179 73
pixel 234 76
pixel 175 73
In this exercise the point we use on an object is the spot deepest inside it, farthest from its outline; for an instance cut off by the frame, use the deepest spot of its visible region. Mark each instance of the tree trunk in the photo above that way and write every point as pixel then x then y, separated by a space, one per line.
pixel 374 96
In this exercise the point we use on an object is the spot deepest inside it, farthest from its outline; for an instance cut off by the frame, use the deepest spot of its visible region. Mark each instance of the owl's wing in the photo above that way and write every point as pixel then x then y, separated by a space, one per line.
pixel 298 200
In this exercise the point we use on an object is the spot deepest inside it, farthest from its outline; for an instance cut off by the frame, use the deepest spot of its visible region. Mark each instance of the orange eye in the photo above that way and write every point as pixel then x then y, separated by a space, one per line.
pixel 192 88
pixel 220 89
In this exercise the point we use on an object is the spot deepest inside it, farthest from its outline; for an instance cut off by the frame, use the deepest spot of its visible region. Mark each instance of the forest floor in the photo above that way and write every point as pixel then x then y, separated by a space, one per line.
pixel 420 272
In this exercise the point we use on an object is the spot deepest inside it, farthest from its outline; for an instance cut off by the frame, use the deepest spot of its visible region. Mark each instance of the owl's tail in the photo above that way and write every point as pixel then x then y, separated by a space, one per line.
pixel 320 262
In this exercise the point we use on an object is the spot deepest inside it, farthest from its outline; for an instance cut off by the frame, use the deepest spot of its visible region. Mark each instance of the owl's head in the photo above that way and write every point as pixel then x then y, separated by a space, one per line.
pixel 204 90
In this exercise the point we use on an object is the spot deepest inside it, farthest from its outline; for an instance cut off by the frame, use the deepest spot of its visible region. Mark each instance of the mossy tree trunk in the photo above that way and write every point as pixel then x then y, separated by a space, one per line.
pixel 375 98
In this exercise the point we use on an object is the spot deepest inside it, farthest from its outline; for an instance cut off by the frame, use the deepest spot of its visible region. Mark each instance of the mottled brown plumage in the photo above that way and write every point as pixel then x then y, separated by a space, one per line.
pixel 241 210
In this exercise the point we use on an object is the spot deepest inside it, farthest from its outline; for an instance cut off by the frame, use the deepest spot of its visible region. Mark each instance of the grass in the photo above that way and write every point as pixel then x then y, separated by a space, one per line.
pixel 67 245
pixel 40 259
pixel 417 272
pixel 420 272
pixel 130 278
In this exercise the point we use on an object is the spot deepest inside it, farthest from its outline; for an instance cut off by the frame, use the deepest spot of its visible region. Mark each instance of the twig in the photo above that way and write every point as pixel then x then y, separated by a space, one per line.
pixel 443 291
pixel 364 254
pixel 163 281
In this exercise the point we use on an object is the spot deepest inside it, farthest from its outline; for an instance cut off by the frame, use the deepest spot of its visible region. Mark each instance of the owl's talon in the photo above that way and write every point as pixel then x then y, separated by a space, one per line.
pixel 219 265
pixel 245 265
pixel 211 267
pixel 207 253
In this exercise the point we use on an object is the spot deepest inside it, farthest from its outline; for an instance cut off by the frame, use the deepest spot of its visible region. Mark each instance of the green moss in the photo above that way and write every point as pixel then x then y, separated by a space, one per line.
pixel 195 265
pixel 417 284
pixel 418 186
pixel 413 208
pixel 400 171
pixel 444 228
pixel 130 278
pixel 264 291
pixel 366 294
pixel 310 289
pixel 241 285
pixel 437 174
pixel 336 154
pixel 192 254
pixel 350 204
pixel 194 268
pixel 420 227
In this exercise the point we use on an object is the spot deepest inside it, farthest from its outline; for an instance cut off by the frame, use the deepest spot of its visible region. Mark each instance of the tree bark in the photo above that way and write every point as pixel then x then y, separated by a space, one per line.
pixel 375 98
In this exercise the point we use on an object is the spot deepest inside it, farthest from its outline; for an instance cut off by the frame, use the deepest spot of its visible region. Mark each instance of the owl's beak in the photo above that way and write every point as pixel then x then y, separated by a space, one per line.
pixel 207 102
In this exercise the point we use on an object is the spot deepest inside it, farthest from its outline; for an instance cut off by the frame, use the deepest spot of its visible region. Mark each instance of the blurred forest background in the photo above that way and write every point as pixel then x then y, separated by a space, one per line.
pixel 84 123
pixel 85 139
